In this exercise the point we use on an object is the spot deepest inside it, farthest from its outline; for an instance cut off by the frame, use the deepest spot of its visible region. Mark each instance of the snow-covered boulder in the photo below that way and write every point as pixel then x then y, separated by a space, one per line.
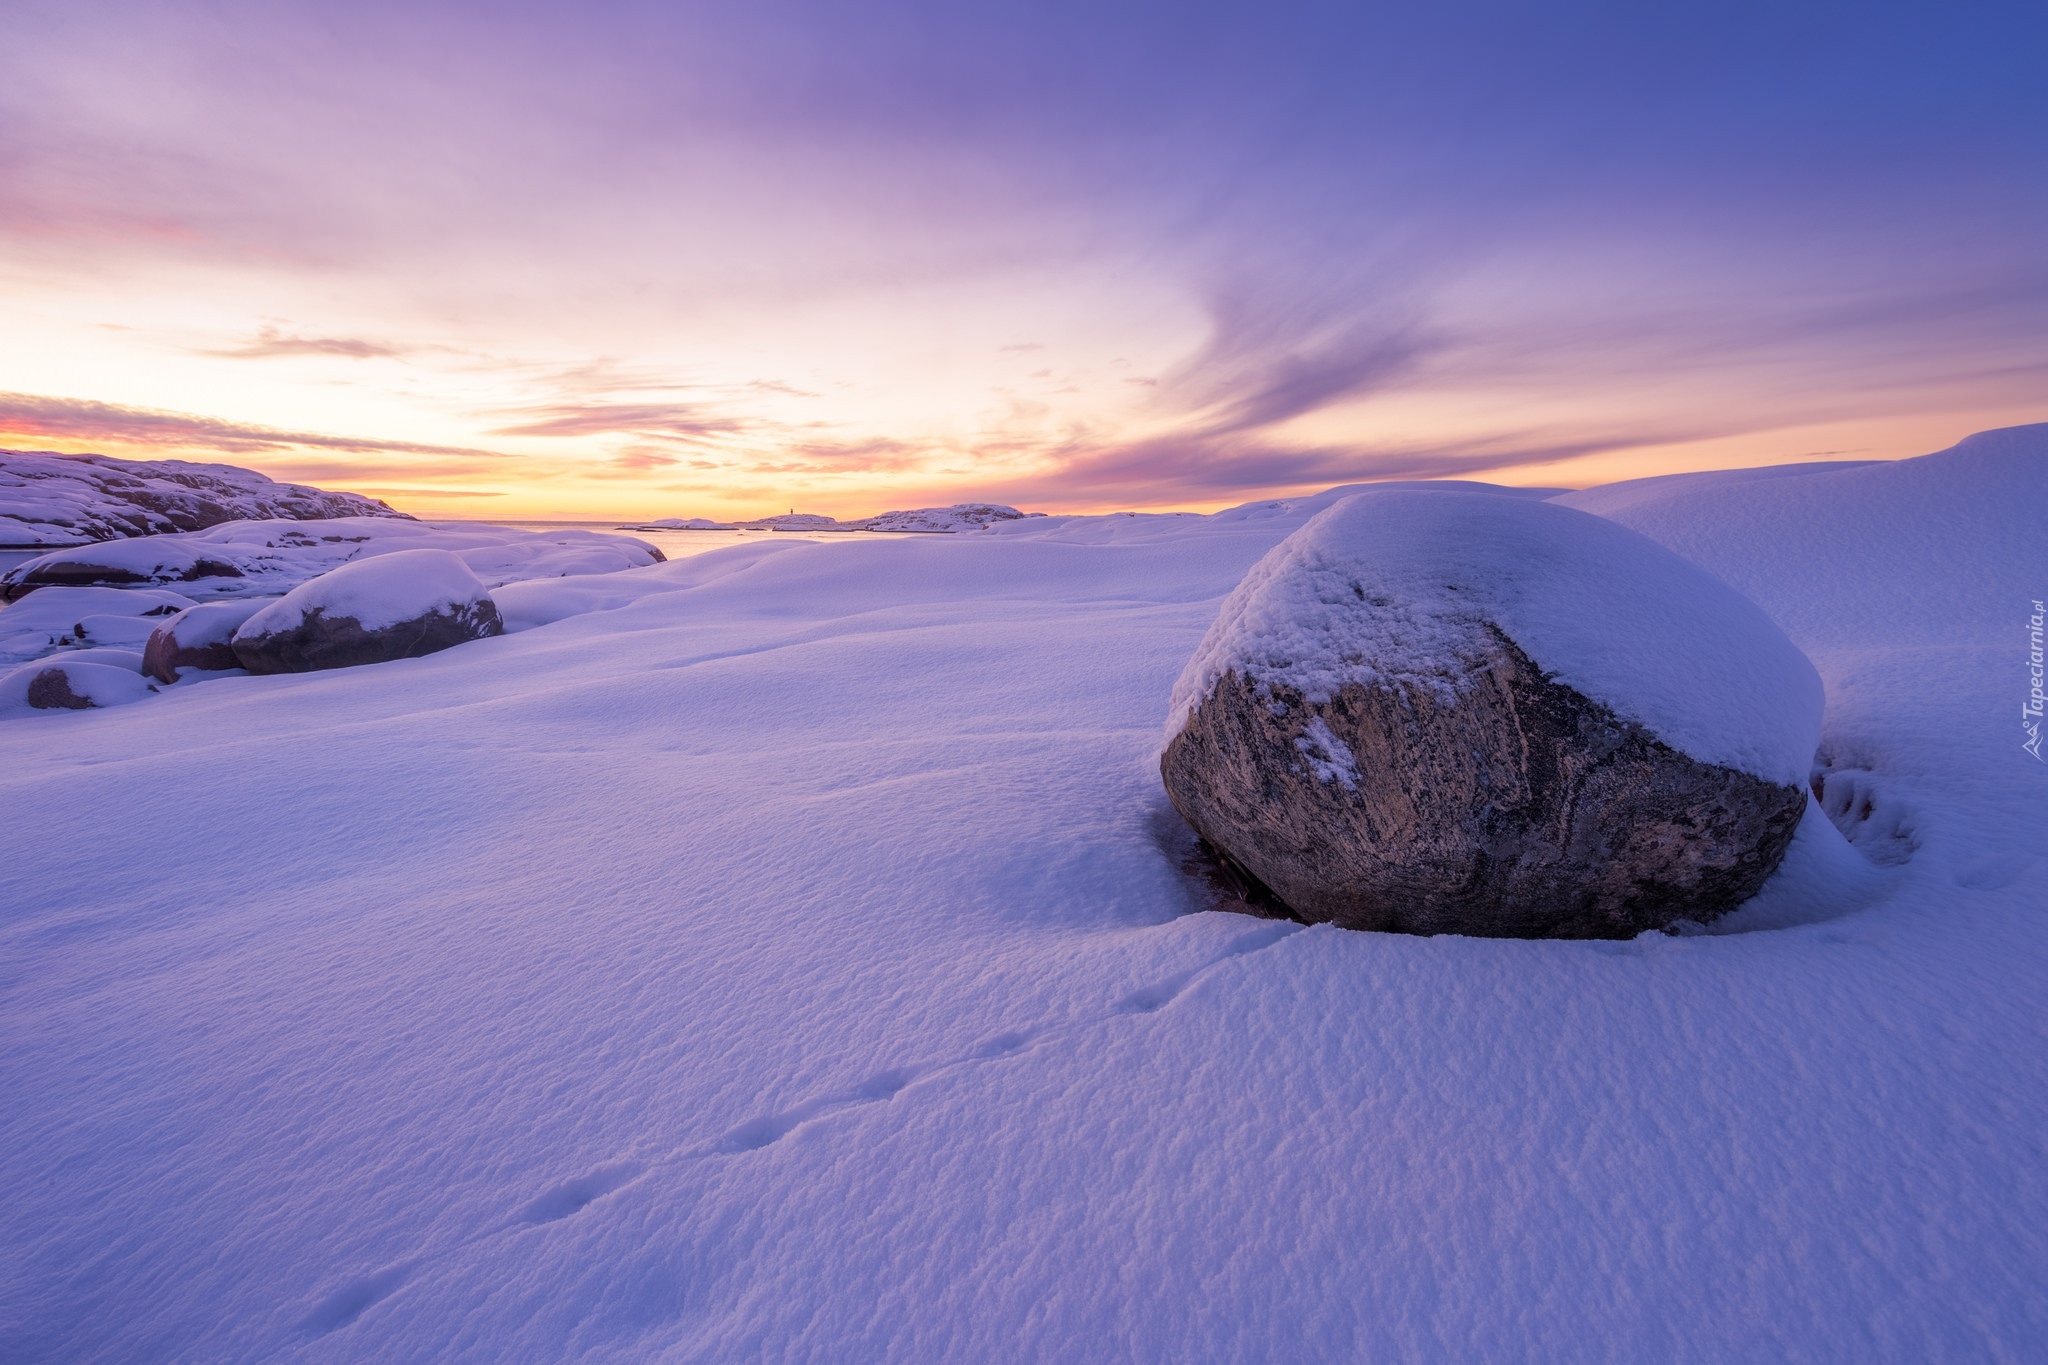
pixel 393 606
pixel 1442 712
pixel 70 683
pixel 265 558
pixel 61 618
pixel 961 516
pixel 52 499
pixel 200 638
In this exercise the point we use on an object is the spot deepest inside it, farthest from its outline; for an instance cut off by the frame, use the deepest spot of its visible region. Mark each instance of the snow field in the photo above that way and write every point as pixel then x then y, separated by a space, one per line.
pixel 801 962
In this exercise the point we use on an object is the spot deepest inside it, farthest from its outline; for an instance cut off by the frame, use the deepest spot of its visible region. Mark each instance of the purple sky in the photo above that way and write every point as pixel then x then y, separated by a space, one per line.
pixel 679 260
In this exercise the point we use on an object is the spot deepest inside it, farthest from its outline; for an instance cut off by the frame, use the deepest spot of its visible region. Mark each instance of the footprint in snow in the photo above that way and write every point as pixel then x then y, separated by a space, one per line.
pixel 573 1196
pixel 349 1302
pixel 755 1134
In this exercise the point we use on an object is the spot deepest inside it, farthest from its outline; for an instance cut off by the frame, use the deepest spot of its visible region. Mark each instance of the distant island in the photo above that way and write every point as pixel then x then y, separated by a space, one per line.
pixel 963 516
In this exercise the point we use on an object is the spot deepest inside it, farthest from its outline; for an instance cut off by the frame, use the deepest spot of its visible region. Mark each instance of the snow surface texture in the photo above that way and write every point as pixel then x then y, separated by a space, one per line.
pixel 1398 589
pixel 794 961
pixel 52 499
pixel 263 558
pixel 377 593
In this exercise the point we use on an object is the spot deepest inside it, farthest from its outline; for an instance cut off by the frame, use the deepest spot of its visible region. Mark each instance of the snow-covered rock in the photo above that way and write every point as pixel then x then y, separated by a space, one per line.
pixel 265 558
pixel 52 499
pixel 200 638
pixel 961 516
pixel 394 606
pixel 680 524
pixel 70 684
pixel 56 618
pixel 1438 712
pixel 795 521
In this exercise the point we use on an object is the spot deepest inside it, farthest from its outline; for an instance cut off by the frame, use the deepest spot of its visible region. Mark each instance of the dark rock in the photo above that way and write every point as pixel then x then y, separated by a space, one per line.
pixel 50 690
pixel 1523 809
pixel 394 606
pixel 320 641
pixel 200 637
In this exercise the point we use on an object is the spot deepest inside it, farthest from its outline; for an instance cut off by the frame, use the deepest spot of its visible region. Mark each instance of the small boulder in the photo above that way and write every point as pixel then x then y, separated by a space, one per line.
pixel 395 606
pixel 66 683
pixel 1455 712
pixel 200 637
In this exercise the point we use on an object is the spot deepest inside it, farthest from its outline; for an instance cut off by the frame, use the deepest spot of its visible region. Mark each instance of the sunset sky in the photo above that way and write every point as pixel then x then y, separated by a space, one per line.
pixel 609 260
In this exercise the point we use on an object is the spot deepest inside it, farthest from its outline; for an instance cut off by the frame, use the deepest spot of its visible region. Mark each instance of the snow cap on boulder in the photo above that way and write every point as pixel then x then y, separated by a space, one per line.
pixel 1402 585
pixel 394 606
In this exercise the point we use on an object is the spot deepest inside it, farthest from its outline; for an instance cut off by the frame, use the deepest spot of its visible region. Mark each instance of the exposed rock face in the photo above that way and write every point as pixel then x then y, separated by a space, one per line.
pixel 1458 713
pixel 200 637
pixel 50 690
pixel 1524 809
pixel 396 606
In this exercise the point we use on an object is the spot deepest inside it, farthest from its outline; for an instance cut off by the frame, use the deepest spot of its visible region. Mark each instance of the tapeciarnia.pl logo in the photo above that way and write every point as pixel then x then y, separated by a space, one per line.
pixel 2030 714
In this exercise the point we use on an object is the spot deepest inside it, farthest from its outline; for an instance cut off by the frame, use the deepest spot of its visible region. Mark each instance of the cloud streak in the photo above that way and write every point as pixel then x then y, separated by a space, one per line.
pixel 271 344
pixel 74 419
pixel 685 422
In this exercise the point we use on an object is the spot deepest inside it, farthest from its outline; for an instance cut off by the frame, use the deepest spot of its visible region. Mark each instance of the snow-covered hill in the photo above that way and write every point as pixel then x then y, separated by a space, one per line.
pixel 47 499
pixel 788 953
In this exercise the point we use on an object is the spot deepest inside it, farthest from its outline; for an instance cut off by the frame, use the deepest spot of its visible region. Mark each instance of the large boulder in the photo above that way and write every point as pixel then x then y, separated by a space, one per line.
pixel 395 606
pixel 1453 712
pixel 200 638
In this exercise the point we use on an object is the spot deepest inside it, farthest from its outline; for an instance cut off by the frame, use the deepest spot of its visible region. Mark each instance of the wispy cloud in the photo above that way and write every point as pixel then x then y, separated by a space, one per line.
pixel 270 344
pixel 74 419
pixel 688 422
pixel 1203 467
